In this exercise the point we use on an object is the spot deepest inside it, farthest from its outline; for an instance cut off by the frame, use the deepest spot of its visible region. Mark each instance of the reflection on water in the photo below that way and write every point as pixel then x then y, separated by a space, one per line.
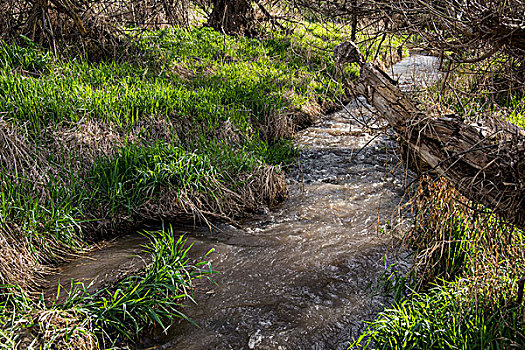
pixel 300 277
pixel 422 69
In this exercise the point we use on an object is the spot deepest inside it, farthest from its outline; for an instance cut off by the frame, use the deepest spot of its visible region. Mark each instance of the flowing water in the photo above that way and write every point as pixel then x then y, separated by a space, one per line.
pixel 304 275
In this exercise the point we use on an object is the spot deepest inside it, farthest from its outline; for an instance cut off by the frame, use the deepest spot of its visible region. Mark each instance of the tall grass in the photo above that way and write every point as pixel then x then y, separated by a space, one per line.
pixel 467 267
pixel 444 318
pixel 104 138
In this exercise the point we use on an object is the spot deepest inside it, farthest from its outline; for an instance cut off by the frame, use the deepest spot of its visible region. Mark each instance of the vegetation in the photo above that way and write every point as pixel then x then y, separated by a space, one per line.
pixel 187 128
pixel 463 290
pixel 111 315
pixel 106 126
pixel 442 318
pixel 195 125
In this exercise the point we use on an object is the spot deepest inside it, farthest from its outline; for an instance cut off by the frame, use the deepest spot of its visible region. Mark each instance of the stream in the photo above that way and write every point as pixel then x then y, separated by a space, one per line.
pixel 304 275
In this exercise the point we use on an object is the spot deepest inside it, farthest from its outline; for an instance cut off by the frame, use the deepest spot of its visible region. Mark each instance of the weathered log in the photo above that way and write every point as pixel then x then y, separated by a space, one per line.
pixel 487 169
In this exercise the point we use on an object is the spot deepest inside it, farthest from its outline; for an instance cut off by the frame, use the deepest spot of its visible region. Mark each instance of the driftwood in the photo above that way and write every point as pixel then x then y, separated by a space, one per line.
pixel 487 169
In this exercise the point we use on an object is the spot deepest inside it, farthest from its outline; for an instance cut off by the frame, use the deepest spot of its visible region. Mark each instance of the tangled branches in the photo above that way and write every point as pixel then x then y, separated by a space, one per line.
pixel 460 31
pixel 459 26
pixel 97 24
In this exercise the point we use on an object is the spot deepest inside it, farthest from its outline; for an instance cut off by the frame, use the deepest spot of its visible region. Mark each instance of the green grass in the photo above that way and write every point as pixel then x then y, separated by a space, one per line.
pixel 191 123
pixel 29 58
pixel 111 316
pixel 136 174
pixel 517 111
pixel 236 79
pixel 154 297
pixel 442 318
pixel 215 100
pixel 462 291
pixel 464 284
pixel 188 125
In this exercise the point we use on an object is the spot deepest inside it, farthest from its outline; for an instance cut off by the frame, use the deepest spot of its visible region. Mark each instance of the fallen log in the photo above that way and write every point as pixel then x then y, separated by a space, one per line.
pixel 487 169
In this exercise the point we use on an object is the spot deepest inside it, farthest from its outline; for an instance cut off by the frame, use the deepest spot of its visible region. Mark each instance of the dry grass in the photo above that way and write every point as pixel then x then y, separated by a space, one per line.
pixel 64 330
pixel 460 241
pixel 18 264
pixel 17 156
pixel 76 149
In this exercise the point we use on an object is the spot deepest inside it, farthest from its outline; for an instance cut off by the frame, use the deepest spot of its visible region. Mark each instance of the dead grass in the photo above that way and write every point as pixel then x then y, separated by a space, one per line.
pixel 64 330
pixel 460 241
pixel 18 264
pixel 75 149
pixel 18 157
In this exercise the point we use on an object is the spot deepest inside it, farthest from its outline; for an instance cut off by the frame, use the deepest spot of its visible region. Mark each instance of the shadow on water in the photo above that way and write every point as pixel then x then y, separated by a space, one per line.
pixel 299 277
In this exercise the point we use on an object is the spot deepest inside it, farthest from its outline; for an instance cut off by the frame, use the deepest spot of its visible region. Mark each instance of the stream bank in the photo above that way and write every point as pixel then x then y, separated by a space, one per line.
pixel 302 276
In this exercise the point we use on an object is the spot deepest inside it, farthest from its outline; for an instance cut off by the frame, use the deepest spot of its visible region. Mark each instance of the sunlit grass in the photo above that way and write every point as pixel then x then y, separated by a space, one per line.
pixel 443 318
pixel 462 292
pixel 193 123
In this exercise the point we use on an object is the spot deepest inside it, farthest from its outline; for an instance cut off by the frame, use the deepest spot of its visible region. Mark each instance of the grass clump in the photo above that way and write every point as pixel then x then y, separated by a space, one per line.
pixel 165 180
pixel 442 318
pixel 30 59
pixel 113 315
